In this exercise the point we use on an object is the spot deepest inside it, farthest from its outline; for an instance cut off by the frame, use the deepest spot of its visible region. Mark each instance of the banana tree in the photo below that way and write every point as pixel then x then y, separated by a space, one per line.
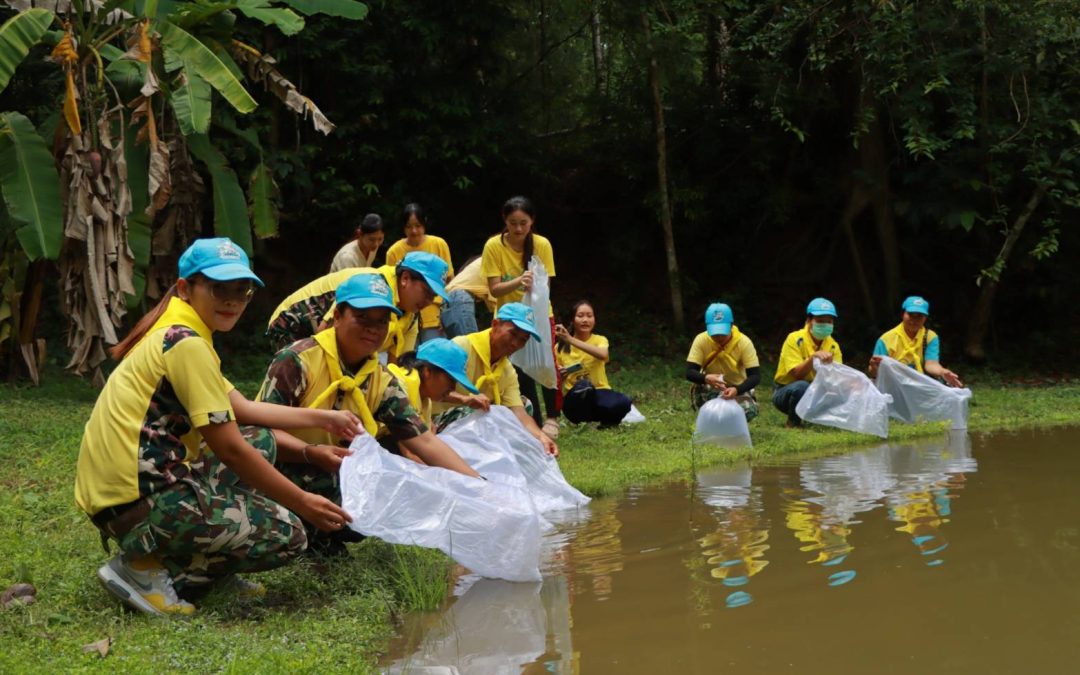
pixel 120 194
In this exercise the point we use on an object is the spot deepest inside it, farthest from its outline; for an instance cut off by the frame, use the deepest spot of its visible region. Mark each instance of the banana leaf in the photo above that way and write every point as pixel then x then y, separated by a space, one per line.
pixel 31 187
pixel 230 207
pixel 191 103
pixel 346 9
pixel 17 36
pixel 287 21
pixel 264 212
pixel 198 59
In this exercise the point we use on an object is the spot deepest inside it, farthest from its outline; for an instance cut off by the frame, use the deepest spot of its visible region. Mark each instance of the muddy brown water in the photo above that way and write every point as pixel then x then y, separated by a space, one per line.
pixel 950 555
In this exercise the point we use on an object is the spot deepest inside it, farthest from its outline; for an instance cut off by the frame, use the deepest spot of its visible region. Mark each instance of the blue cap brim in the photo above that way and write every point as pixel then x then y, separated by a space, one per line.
pixel 372 303
pixel 462 379
pixel 719 329
pixel 437 286
pixel 821 313
pixel 230 272
pixel 527 327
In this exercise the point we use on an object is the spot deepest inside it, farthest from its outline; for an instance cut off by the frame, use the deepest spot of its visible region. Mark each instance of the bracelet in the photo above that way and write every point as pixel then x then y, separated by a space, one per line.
pixel 306 460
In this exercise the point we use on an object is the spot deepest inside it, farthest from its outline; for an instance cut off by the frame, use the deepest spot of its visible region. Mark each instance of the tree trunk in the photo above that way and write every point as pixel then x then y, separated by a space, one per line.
pixel 545 100
pixel 857 201
pixel 599 65
pixel 662 181
pixel 980 316
pixel 876 165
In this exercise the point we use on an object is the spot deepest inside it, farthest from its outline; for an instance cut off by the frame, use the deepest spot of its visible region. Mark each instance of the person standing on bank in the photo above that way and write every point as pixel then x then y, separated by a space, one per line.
pixel 505 265
pixel 795 371
pixel 414 223
pixel 361 251
pixel 587 396
pixel 138 478
pixel 913 344
pixel 723 362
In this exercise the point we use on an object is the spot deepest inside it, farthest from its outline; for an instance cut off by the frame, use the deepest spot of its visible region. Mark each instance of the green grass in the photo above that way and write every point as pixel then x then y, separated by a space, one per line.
pixel 338 617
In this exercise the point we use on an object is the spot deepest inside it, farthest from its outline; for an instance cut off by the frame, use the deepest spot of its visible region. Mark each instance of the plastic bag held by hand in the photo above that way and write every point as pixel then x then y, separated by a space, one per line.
pixel 843 397
pixel 722 422
pixel 498 448
pixel 537 359
pixel 918 397
pixel 491 528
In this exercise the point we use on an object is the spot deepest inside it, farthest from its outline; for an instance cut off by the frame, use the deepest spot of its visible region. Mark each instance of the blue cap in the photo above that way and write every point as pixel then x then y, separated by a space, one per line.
pixel 366 291
pixel 445 354
pixel 431 267
pixel 219 259
pixel 821 307
pixel 916 305
pixel 521 316
pixel 718 319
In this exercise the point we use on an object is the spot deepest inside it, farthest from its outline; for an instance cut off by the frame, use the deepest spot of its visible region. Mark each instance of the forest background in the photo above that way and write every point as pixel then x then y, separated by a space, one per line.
pixel 678 152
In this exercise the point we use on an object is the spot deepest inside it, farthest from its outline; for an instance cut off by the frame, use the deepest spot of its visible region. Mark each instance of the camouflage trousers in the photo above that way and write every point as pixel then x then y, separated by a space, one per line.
pixel 209 524
pixel 700 393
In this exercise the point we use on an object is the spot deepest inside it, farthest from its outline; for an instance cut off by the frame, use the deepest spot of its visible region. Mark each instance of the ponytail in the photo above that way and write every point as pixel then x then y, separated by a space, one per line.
pixel 120 349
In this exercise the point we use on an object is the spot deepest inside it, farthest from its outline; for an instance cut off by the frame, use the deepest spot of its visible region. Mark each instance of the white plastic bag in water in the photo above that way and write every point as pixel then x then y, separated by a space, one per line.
pixel 500 449
pixel 722 422
pixel 491 528
pixel 918 397
pixel 845 398
pixel 634 416
pixel 537 359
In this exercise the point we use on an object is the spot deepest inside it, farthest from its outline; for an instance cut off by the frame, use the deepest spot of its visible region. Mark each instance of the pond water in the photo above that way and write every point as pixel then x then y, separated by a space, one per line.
pixel 955 554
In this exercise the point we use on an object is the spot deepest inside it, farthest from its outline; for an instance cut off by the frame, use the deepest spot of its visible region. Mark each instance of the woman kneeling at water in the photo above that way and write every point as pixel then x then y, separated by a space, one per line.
pixel 913 344
pixel 178 525
pixel 587 396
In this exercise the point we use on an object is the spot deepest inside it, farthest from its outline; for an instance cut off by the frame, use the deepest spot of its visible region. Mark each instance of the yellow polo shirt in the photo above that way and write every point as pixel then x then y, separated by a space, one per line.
pixel 471 279
pixel 798 346
pixel 429 316
pixel 591 367
pixel 732 362
pixel 504 263
pixel 505 380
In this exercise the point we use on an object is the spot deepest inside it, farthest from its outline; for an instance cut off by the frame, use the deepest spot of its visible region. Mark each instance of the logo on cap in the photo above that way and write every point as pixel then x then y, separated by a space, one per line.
pixel 718 316
pixel 918 301
pixel 228 251
pixel 530 316
pixel 377 285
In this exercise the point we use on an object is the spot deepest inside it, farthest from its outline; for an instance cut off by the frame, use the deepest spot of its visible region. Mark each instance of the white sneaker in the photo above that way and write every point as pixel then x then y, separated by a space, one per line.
pixel 149 591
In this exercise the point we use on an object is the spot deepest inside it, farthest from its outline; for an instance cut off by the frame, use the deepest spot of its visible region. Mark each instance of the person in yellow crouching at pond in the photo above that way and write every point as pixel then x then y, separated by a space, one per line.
pixel 417 239
pixel 337 369
pixel 587 396
pixel 795 371
pixel 913 344
pixel 415 281
pixel 723 362
pixel 176 525
pixel 490 368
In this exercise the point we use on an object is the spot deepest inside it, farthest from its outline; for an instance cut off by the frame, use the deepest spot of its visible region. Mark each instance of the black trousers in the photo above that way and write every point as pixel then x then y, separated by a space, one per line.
pixel 605 406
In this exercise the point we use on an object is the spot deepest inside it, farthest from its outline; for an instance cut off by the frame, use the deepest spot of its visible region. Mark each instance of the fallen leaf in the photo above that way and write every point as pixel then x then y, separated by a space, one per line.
pixel 18 593
pixel 101 647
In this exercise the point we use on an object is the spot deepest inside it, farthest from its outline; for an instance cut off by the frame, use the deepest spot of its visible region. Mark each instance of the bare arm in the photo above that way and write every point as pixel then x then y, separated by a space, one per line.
pixel 594 351
pixel 501 288
pixel 435 452
pixel 338 422
pixel 550 447
pixel 230 447
pixel 935 369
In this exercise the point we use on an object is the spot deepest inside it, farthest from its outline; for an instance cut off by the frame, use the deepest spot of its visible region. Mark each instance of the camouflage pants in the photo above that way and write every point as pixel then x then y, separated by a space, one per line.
pixel 700 393
pixel 209 524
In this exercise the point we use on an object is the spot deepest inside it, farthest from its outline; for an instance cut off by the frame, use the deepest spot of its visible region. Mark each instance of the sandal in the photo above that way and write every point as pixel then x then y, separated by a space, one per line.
pixel 551 428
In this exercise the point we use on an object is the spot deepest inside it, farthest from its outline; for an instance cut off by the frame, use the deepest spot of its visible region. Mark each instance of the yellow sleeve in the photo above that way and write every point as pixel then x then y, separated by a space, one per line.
pixel 195 377
pixel 790 357
pixel 411 334
pixel 490 263
pixel 599 341
pixel 838 355
pixel 509 389
pixel 700 349
pixel 543 251
pixel 396 252
pixel 749 357
pixel 444 253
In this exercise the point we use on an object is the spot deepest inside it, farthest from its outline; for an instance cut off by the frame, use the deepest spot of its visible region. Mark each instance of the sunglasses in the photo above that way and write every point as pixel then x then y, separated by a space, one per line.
pixel 232 291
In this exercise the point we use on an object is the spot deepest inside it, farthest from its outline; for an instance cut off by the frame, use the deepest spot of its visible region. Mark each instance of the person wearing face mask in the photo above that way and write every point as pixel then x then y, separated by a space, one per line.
pixel 415 282
pixel 414 223
pixel 795 371
pixel 723 362
pixel 362 250
pixel 913 344
pixel 489 367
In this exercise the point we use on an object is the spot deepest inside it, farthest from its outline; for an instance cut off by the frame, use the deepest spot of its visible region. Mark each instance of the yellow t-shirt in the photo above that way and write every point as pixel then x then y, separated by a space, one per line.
pixel 471 280
pixel 502 388
pixel 798 346
pixel 146 420
pixel 504 263
pixel 591 367
pixel 429 316
pixel 732 362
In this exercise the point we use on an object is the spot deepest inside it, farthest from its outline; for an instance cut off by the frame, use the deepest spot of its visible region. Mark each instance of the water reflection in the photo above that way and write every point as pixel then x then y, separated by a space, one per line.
pixel 735 550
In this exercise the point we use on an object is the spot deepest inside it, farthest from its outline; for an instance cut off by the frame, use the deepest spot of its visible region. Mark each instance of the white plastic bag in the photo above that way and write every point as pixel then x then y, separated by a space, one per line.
pixel 722 422
pixel 500 449
pixel 918 397
pixel 845 398
pixel 634 416
pixel 537 359
pixel 489 527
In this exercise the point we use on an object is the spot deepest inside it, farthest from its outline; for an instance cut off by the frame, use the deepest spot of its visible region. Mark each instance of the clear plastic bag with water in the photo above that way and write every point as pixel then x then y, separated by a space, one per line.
pixel 845 398
pixel 537 359
pixel 722 422
pixel 492 528
pixel 918 397
pixel 500 449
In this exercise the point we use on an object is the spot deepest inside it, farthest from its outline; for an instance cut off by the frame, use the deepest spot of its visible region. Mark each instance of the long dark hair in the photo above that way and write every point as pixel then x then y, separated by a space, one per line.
pixel 565 346
pixel 522 204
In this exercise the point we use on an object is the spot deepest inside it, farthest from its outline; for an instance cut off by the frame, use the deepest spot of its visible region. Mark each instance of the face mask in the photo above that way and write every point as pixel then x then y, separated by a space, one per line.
pixel 820 331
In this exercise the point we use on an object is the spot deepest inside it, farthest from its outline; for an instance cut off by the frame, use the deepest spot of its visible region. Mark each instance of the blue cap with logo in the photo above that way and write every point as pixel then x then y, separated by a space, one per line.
pixel 366 291
pixel 821 307
pixel 916 305
pixel 718 319
pixel 218 258
pixel 431 267
pixel 521 316
pixel 444 354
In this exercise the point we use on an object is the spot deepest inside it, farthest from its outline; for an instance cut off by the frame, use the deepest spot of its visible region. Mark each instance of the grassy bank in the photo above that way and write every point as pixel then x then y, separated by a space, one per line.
pixel 321 619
